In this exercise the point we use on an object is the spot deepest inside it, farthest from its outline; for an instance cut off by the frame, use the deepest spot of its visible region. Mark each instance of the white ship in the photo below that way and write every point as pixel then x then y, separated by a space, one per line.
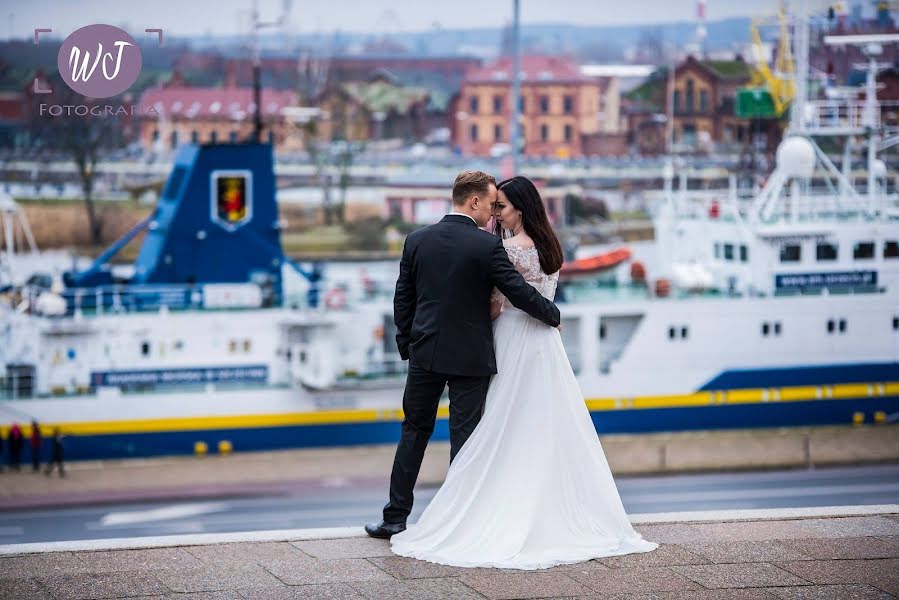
pixel 775 308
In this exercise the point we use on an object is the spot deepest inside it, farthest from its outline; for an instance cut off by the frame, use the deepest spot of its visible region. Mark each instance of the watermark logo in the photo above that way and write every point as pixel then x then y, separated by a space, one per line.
pixel 99 61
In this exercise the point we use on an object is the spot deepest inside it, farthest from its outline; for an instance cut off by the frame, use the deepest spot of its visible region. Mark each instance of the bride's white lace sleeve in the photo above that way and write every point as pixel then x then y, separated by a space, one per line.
pixel 527 262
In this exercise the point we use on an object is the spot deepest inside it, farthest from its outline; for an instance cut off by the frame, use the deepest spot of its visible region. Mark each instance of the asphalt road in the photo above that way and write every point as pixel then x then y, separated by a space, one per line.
pixel 352 503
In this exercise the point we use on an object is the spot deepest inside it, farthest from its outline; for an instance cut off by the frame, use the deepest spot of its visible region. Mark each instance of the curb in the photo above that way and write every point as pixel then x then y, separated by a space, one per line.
pixel 285 535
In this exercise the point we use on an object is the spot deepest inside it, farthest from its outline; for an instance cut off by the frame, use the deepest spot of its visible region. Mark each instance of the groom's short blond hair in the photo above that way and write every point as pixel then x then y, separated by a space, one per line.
pixel 469 183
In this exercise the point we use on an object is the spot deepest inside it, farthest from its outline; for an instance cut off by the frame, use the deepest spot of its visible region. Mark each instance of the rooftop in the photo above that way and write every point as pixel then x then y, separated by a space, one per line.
pixel 534 69
pixel 214 102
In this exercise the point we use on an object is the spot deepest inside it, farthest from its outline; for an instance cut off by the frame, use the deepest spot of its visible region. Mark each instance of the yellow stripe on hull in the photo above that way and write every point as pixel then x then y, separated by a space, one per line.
pixel 340 417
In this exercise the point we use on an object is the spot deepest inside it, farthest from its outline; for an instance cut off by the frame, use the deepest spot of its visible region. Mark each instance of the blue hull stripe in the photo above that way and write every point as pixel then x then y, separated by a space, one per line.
pixel 796 376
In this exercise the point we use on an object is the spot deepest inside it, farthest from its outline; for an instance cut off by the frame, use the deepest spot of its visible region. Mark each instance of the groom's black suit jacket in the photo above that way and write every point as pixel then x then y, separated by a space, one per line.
pixel 442 301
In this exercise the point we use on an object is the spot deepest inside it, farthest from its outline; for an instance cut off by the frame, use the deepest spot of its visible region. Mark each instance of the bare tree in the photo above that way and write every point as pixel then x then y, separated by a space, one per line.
pixel 313 69
pixel 73 131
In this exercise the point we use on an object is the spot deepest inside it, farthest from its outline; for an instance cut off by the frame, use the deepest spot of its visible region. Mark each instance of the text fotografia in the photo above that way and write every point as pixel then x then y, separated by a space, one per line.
pixel 98 110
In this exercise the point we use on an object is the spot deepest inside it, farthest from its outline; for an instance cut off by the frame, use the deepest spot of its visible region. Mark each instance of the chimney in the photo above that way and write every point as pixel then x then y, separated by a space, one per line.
pixel 176 80
pixel 230 75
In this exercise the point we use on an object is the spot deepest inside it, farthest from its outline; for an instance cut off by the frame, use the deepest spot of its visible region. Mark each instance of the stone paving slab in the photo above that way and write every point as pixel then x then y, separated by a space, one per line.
pixel 792 559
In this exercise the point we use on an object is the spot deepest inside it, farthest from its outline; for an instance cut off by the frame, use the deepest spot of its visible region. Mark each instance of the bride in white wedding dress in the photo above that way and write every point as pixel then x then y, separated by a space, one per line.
pixel 531 487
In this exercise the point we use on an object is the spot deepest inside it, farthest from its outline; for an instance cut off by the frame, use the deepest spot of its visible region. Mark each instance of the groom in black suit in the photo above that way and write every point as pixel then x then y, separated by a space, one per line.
pixel 442 313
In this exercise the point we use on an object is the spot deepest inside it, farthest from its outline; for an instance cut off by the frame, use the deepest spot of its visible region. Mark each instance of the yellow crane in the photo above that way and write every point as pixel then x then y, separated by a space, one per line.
pixel 770 91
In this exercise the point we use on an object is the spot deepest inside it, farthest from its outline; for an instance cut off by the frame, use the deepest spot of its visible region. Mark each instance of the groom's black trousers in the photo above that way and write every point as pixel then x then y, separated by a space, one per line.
pixel 423 390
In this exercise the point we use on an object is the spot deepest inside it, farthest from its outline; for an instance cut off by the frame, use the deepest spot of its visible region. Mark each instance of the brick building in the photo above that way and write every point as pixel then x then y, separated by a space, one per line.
pixel 209 114
pixel 559 106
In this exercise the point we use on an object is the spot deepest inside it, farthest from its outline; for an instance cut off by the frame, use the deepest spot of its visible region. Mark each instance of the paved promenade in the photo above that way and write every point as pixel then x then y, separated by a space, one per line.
pixel 787 554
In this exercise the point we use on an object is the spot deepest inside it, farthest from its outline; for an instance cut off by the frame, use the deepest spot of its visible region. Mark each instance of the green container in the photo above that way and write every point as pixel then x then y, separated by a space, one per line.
pixel 755 103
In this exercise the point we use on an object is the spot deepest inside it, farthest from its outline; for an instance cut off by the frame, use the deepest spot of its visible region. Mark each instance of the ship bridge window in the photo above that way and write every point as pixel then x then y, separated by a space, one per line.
pixel 768 328
pixel 744 253
pixel 891 249
pixel 728 252
pixel 863 250
pixel 826 251
pixel 834 325
pixel 790 253
pixel 675 332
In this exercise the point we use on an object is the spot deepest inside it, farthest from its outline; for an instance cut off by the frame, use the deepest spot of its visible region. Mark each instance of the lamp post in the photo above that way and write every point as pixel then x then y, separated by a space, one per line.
pixel 514 129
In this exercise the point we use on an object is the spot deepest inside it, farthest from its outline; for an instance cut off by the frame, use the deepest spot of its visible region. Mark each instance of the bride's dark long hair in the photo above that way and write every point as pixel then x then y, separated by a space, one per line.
pixel 524 196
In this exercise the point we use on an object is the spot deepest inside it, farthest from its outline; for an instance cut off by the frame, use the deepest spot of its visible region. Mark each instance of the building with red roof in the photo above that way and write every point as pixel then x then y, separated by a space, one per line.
pixel 176 113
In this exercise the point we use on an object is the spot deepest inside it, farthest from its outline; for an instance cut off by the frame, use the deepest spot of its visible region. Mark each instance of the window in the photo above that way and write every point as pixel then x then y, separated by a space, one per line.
pixel 232 136
pixel 826 251
pixel 473 133
pixel 497 105
pixel 672 333
pixel 790 253
pixel 568 104
pixel 568 131
pixel 836 325
pixel 544 133
pixel 145 348
pixel 689 95
pixel 497 133
pixel 689 133
pixel 765 328
pixel 895 323
pixel 704 100
pixel 521 104
pixel 271 137
pixel 744 253
pixel 676 100
pixel 602 329
pixel 777 328
pixel 155 134
pixel 718 250
pixel 728 252
pixel 214 137
pixel 174 140
pixel 863 250
pixel 194 137
pixel 473 105
pixel 891 249
pixel 544 104
pixel 683 332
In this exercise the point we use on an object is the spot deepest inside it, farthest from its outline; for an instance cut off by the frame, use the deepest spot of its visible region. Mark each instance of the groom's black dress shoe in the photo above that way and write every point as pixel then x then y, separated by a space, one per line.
pixel 384 530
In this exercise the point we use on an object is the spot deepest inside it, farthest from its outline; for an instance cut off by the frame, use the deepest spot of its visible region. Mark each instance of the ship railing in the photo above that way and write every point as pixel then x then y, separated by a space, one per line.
pixel 839 115
pixel 818 203
pixel 27 389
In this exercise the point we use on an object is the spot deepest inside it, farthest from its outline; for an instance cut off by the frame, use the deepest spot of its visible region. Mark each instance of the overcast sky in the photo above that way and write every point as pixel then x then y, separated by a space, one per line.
pixel 192 17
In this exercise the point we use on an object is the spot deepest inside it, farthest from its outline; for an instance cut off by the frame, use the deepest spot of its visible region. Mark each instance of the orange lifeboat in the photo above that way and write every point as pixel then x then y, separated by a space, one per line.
pixel 594 265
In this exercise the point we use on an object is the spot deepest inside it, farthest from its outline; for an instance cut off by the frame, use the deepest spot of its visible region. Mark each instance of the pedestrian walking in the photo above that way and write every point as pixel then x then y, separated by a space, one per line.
pixel 56 453
pixel 16 444
pixel 37 441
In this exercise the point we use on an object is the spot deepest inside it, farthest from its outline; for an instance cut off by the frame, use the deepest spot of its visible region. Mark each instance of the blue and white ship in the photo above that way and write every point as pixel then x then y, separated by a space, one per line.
pixel 773 308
